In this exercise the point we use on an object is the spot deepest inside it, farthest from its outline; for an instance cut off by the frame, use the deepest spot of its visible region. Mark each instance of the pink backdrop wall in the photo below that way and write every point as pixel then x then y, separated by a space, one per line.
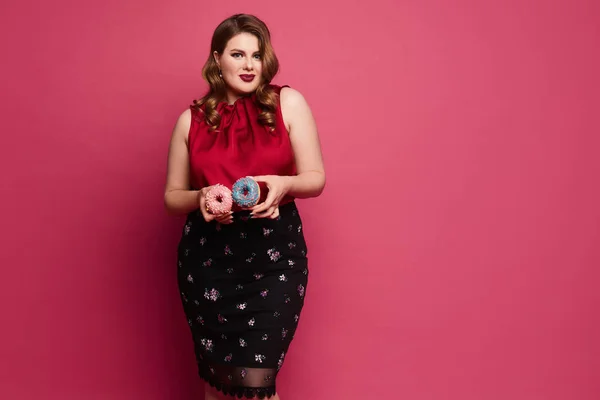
pixel 476 122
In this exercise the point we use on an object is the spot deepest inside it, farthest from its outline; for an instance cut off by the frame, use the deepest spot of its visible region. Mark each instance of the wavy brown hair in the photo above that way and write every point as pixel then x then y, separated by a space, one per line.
pixel 265 97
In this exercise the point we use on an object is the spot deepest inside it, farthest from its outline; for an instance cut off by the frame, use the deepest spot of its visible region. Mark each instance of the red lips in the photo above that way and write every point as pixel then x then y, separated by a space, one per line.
pixel 247 78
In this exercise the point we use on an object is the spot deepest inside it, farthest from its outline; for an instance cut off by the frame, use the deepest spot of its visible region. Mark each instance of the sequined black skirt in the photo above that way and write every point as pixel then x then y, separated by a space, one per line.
pixel 243 287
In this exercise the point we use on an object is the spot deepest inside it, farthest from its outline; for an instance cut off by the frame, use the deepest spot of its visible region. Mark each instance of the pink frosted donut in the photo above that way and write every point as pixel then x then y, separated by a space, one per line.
pixel 218 199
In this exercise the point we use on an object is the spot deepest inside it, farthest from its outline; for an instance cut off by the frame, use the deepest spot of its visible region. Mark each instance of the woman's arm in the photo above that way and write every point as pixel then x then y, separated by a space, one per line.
pixel 310 178
pixel 179 199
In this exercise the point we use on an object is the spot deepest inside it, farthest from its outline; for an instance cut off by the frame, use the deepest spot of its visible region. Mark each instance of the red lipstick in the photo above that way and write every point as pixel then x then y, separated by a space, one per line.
pixel 247 78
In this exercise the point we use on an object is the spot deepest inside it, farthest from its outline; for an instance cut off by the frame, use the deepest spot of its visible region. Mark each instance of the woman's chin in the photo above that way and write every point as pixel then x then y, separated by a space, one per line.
pixel 244 88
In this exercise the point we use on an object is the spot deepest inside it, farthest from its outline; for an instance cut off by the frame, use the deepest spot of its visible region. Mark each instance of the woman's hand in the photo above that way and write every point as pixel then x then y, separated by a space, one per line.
pixel 278 187
pixel 226 218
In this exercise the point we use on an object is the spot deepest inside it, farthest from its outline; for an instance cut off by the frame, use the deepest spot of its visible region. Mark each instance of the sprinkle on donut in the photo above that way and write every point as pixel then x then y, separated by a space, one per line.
pixel 245 192
pixel 219 200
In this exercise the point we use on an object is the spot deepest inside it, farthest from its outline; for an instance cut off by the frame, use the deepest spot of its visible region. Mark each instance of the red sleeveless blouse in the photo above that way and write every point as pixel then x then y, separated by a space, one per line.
pixel 242 146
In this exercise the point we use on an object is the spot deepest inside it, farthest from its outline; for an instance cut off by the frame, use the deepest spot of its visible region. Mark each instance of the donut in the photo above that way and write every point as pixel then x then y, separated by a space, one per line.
pixel 245 192
pixel 218 199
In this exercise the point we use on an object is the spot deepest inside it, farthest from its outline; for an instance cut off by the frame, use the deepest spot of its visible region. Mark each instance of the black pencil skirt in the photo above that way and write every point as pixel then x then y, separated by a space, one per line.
pixel 243 287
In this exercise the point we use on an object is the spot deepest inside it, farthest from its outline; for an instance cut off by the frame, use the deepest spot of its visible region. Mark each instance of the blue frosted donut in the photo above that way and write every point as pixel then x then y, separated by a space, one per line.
pixel 245 192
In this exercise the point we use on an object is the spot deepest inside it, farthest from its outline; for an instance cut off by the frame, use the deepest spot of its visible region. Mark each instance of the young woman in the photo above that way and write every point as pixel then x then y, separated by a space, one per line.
pixel 243 275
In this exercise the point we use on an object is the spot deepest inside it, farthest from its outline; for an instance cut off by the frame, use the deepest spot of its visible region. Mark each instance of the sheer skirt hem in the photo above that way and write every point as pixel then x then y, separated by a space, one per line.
pixel 239 391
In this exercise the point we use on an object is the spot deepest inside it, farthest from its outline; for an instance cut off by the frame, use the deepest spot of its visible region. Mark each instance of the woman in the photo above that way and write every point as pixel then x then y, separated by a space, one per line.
pixel 243 275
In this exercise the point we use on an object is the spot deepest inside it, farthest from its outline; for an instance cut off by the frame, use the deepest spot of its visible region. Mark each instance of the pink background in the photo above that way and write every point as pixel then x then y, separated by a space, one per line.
pixel 473 124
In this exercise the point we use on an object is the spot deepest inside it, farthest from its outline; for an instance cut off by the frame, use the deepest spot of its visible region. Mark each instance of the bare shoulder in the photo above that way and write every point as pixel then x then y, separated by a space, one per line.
pixel 185 119
pixel 183 124
pixel 291 98
pixel 294 106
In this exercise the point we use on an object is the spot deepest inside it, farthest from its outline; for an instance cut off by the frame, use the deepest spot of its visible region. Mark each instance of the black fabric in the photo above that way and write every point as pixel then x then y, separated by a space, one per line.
pixel 243 287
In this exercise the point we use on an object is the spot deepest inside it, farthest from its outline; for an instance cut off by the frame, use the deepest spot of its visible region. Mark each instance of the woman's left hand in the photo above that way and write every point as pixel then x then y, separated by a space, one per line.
pixel 278 187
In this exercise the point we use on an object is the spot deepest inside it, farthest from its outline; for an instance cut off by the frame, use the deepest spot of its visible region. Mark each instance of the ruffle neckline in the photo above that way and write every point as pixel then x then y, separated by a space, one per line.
pixel 241 100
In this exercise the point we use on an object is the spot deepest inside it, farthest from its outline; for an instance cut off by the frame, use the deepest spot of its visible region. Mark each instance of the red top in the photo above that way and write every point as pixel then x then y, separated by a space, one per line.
pixel 242 146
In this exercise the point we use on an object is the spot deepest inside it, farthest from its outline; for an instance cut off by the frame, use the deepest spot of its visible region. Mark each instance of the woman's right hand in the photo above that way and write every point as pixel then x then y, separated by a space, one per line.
pixel 226 218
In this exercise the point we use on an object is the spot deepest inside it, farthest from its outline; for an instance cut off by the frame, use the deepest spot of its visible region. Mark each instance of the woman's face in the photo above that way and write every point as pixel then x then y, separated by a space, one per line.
pixel 241 65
